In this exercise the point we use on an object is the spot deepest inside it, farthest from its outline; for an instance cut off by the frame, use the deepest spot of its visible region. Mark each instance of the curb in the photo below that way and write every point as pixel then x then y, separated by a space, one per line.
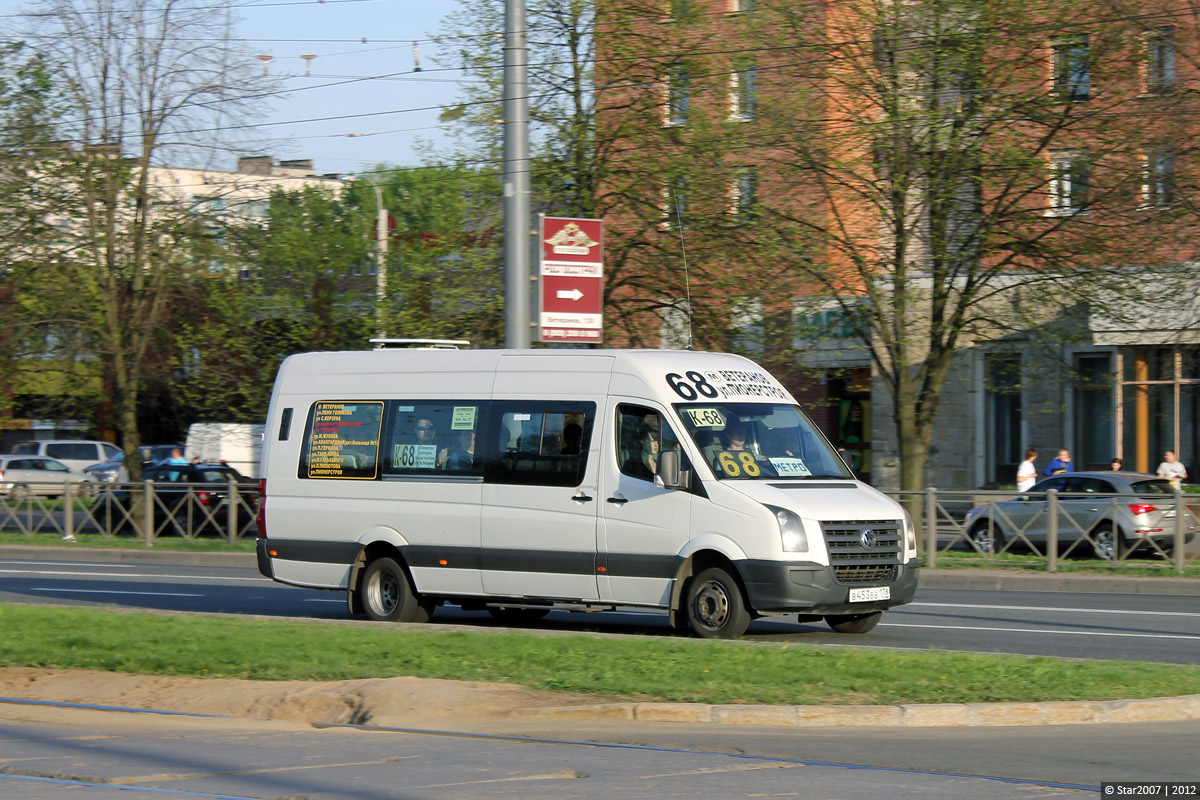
pixel 934 715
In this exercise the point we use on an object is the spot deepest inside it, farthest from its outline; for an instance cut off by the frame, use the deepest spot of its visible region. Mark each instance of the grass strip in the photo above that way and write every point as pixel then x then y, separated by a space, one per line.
pixel 201 544
pixel 639 668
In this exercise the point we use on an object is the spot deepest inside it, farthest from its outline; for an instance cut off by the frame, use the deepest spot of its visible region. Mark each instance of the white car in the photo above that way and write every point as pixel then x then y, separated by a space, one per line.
pixel 24 476
pixel 77 454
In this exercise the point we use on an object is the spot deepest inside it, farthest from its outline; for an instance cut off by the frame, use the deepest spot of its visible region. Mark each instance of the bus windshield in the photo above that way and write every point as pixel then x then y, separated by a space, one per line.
pixel 760 441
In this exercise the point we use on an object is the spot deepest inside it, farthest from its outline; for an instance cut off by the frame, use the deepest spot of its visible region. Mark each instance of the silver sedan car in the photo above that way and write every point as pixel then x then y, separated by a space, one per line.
pixel 1108 514
pixel 23 476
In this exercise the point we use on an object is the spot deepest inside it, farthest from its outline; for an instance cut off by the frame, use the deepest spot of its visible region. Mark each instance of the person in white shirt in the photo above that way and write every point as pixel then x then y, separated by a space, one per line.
pixel 1027 472
pixel 1171 469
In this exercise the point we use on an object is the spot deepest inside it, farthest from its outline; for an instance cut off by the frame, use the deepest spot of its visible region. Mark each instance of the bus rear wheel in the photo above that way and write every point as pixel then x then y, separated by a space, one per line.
pixel 388 596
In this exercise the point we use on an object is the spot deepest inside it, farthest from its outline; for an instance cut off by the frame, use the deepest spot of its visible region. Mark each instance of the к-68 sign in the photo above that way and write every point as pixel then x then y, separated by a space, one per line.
pixel 572 280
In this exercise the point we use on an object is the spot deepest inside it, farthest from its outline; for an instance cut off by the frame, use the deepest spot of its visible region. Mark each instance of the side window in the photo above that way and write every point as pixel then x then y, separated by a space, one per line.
pixel 1090 486
pixel 539 443
pixel 641 435
pixel 1059 484
pixel 110 451
pixel 341 440
pixel 433 438
pixel 77 451
pixel 25 448
pixel 53 466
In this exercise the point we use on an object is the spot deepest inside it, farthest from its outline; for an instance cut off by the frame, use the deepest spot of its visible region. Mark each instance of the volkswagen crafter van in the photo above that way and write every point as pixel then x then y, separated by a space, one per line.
pixel 519 481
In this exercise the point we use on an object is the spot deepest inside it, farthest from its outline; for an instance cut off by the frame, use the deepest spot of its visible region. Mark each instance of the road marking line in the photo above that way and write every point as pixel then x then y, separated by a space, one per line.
pixel 113 591
pixel 69 564
pixel 1041 630
pixel 1057 608
pixel 154 575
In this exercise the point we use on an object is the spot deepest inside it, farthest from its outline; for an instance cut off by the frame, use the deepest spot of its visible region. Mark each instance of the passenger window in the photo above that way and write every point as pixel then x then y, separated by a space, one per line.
pixel 540 444
pixel 341 440
pixel 1090 486
pixel 641 435
pixel 433 438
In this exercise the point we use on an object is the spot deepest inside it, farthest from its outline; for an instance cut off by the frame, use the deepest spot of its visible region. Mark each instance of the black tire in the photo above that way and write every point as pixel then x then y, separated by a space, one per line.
pixel 1107 544
pixel 989 539
pixel 387 595
pixel 854 623
pixel 517 616
pixel 19 493
pixel 715 606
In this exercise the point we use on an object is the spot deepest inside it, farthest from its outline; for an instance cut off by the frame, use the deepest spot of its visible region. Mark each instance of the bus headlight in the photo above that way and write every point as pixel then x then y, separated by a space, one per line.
pixel 910 534
pixel 791 530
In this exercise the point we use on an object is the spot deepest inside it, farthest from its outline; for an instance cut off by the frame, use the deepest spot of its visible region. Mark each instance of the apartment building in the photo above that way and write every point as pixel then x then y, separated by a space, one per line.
pixel 990 199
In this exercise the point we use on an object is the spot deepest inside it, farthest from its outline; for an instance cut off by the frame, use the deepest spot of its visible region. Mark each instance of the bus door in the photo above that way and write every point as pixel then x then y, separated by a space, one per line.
pixel 540 500
pixel 643 527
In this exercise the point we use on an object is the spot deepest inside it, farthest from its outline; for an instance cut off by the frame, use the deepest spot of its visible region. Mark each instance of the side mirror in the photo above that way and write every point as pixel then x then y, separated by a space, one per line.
pixel 668 475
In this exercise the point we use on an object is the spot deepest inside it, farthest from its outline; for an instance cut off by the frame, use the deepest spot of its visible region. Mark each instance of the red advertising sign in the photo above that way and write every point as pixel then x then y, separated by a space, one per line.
pixel 572 280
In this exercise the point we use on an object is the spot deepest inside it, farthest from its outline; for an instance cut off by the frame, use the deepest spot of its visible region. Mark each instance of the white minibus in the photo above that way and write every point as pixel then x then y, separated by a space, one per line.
pixel 520 481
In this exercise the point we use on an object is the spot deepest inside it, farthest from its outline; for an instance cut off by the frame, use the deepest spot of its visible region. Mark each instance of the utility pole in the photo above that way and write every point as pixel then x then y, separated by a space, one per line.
pixel 516 177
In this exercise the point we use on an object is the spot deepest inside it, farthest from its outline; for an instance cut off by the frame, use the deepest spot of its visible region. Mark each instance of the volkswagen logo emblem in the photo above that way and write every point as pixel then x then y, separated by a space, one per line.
pixel 867 538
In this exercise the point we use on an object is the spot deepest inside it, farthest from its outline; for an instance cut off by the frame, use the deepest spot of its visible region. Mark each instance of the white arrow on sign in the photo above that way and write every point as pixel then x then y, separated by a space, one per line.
pixel 569 294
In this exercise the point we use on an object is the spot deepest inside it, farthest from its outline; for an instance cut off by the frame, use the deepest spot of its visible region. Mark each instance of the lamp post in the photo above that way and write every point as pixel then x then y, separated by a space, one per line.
pixel 381 234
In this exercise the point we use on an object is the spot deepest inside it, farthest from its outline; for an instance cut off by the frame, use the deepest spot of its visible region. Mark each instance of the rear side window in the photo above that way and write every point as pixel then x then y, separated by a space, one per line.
pixel 72 451
pixel 1152 487
pixel 539 443
pixel 341 440
pixel 433 438
pixel 26 448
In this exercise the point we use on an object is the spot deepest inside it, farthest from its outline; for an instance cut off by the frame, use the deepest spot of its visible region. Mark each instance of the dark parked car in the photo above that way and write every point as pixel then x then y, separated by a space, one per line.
pixel 1119 512
pixel 114 471
pixel 187 497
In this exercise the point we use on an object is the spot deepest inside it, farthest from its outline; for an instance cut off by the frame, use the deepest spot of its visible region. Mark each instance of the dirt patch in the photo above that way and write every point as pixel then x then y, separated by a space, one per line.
pixel 372 701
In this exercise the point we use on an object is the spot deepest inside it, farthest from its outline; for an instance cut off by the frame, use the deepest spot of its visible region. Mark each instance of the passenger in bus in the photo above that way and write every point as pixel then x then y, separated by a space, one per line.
pixel 462 456
pixel 572 439
pixel 646 462
pixel 426 434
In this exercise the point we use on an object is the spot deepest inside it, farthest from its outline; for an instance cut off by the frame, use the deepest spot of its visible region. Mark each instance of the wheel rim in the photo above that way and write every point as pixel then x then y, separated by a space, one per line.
pixel 1105 545
pixel 712 605
pixel 983 540
pixel 19 494
pixel 384 593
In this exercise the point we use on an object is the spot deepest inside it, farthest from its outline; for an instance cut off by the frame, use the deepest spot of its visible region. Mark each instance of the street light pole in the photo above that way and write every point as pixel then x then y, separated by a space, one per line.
pixel 516 177
pixel 381 234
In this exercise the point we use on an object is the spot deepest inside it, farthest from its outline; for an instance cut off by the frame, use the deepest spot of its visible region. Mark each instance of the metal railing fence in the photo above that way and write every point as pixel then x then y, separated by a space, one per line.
pixel 987 526
pixel 144 510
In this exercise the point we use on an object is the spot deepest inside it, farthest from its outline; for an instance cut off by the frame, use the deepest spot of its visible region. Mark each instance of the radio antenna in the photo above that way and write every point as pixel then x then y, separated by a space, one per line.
pixel 687 286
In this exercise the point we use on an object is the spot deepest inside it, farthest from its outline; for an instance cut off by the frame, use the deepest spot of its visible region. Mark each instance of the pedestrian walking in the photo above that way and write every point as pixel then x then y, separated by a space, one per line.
pixel 1027 472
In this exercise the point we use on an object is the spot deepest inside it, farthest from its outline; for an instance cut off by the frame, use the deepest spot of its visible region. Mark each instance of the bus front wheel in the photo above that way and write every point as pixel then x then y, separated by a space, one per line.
pixel 716 609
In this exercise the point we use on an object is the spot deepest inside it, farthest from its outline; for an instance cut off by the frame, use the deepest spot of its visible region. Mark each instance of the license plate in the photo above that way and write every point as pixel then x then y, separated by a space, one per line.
pixel 869 594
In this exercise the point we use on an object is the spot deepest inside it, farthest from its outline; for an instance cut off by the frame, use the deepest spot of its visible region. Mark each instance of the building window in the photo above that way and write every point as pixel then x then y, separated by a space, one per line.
pixel 679 97
pixel 743 93
pixel 676 330
pixel 1069 173
pixel 1158 182
pixel 1159 65
pixel 680 9
pixel 1095 421
pixel 744 194
pixel 746 321
pixel 1002 389
pixel 742 6
pixel 674 207
pixel 1072 68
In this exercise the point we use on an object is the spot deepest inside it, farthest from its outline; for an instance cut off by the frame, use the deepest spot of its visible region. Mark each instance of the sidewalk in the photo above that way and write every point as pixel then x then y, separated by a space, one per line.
pixel 960 578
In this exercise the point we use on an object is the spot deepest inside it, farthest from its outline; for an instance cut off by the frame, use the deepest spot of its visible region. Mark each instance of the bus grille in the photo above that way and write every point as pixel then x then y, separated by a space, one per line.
pixel 864 551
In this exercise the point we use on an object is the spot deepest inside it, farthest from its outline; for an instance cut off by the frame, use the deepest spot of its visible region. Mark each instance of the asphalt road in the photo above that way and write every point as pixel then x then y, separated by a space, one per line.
pixel 65 753
pixel 1149 627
